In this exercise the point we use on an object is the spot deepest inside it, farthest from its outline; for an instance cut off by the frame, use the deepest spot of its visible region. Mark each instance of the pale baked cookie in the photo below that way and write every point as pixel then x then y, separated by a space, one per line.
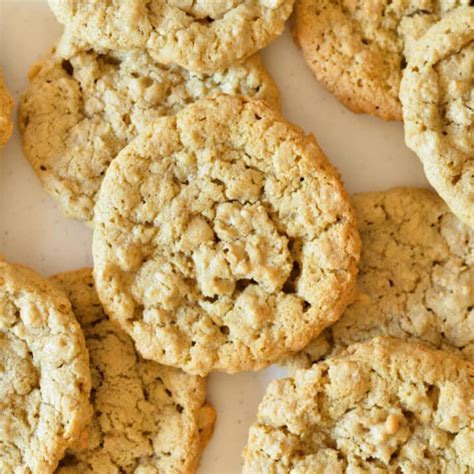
pixel 45 378
pixel 82 107
pixel 437 94
pixel 223 238
pixel 198 35
pixel 147 417
pixel 382 407
pixel 359 49
pixel 416 277
pixel 6 109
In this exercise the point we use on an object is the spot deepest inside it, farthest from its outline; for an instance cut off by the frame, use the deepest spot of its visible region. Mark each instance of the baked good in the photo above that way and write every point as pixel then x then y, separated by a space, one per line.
pixel 383 406
pixel 6 109
pixel 199 36
pixel 147 417
pixel 223 238
pixel 45 378
pixel 416 277
pixel 84 105
pixel 437 94
pixel 358 50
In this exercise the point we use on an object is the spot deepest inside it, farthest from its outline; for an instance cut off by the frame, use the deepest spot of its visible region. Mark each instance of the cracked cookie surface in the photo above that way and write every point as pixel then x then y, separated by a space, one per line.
pixel 223 238
pixel 147 417
pixel 358 49
pixel 416 277
pixel 384 406
pixel 437 94
pixel 6 110
pixel 197 35
pixel 84 105
pixel 45 377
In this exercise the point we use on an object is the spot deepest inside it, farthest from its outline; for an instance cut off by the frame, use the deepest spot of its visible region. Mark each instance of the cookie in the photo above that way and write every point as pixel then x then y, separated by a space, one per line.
pixel 359 49
pixel 147 417
pixel 383 406
pixel 6 109
pixel 199 36
pixel 223 238
pixel 437 94
pixel 83 106
pixel 416 277
pixel 45 378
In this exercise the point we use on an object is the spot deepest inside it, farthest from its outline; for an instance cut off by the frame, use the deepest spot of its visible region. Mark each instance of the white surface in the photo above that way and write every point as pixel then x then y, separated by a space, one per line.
pixel 370 154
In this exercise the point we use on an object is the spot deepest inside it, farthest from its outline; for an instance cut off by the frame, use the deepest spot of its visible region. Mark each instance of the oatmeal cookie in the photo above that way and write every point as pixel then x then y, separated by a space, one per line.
pixel 147 417
pixel 437 94
pixel 84 105
pixel 385 406
pixel 45 378
pixel 223 238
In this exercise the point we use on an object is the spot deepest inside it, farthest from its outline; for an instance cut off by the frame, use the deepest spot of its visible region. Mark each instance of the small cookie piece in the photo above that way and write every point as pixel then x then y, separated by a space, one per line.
pixel 416 277
pixel 223 238
pixel 437 94
pixel 147 417
pixel 197 35
pixel 45 378
pixel 385 406
pixel 359 49
pixel 6 109
pixel 83 106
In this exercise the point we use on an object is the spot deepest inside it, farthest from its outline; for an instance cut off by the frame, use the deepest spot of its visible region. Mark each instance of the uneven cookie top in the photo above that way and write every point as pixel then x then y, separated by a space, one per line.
pixel 416 277
pixel 223 238
pixel 437 94
pixel 6 109
pixel 197 35
pixel 358 49
pixel 384 406
pixel 83 106
pixel 147 417
pixel 45 378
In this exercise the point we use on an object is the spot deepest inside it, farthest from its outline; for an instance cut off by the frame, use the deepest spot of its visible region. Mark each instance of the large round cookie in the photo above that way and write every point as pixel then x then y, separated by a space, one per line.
pixel 83 106
pixel 45 378
pixel 383 407
pixel 437 94
pixel 223 238
pixel 359 49
pixel 6 109
pixel 197 35
pixel 416 277
pixel 147 417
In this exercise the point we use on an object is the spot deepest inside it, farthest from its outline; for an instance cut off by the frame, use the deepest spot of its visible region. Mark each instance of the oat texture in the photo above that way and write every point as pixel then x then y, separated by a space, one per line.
pixel 83 106
pixel 223 238
pixel 358 49
pixel 382 407
pixel 45 379
pixel 416 277
pixel 199 35
pixel 437 94
pixel 6 109
pixel 147 417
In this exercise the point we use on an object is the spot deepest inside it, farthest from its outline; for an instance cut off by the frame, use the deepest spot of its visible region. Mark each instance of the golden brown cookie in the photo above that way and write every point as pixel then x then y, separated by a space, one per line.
pixel 223 238
pixel 416 277
pixel 198 35
pixel 385 406
pixel 437 94
pixel 6 109
pixel 147 417
pixel 84 105
pixel 358 49
pixel 45 378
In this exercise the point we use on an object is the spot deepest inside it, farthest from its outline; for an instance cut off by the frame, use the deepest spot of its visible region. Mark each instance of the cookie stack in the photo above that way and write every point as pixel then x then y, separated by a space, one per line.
pixel 224 240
